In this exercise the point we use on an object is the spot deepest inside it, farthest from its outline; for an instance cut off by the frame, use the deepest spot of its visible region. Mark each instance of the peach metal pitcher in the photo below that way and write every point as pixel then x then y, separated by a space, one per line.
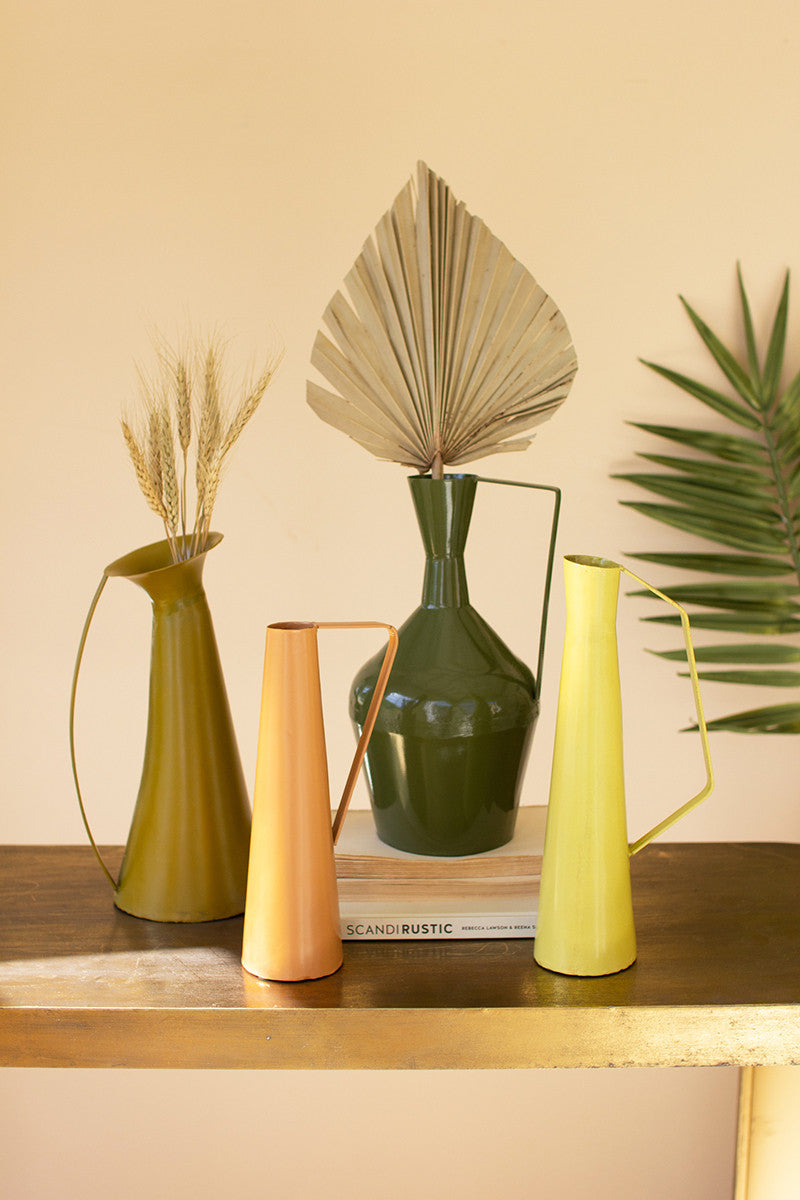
pixel 585 921
pixel 291 920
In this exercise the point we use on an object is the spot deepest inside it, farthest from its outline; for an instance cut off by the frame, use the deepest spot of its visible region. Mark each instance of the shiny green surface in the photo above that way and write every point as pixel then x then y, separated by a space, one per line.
pixel 187 851
pixel 448 752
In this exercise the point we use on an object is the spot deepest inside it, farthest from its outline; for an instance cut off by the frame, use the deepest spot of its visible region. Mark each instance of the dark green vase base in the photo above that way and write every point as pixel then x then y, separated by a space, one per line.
pixel 459 800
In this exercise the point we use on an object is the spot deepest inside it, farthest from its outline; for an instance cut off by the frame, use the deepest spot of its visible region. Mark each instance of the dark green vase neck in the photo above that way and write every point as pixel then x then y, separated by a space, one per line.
pixel 444 509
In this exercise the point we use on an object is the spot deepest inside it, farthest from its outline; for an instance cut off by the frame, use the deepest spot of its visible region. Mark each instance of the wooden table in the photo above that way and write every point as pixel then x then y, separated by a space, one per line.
pixel 717 981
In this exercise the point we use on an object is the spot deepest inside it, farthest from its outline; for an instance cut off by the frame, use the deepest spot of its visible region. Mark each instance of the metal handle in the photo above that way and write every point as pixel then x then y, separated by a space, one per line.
pixel 82 644
pixel 539 487
pixel 372 712
pixel 701 724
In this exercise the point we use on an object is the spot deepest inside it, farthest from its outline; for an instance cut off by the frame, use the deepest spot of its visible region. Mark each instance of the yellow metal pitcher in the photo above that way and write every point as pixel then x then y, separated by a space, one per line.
pixel 291 919
pixel 585 920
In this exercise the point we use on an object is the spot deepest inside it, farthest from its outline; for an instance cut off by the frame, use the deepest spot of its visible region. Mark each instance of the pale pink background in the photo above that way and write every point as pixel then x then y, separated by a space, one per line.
pixel 167 164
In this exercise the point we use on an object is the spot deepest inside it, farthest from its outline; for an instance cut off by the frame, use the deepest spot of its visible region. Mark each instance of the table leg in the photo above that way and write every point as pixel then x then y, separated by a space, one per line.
pixel 768 1146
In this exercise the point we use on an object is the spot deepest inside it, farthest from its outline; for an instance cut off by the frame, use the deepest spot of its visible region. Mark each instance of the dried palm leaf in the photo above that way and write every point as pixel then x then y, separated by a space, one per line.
pixel 444 348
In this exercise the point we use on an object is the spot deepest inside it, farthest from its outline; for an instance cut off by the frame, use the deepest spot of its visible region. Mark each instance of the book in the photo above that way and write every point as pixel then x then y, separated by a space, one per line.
pixel 388 894
pixel 361 854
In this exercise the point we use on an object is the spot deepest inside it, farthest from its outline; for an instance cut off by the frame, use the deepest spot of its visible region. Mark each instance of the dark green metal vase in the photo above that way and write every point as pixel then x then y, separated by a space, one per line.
pixel 448 752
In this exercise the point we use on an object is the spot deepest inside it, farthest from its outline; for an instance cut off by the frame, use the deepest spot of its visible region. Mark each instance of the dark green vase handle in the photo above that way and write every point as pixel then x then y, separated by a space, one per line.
pixel 78 660
pixel 539 487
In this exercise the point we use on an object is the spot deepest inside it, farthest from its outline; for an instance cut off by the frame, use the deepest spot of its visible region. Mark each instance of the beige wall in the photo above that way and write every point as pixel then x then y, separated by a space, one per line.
pixel 221 164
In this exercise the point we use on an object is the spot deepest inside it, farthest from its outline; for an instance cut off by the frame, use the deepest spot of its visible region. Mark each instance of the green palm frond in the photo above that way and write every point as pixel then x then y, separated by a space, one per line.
pixel 740 490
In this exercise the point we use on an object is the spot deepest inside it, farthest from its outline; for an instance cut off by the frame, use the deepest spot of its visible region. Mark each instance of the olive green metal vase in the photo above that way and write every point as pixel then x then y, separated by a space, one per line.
pixel 451 741
pixel 187 851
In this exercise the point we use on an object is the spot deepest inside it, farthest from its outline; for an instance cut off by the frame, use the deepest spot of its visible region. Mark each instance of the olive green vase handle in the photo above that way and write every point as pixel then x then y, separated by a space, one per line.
pixel 81 646
pixel 539 487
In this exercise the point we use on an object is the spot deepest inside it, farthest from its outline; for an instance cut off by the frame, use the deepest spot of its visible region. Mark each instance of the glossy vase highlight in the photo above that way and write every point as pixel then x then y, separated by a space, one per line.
pixel 451 741
pixel 585 920
pixel 291 921
pixel 186 854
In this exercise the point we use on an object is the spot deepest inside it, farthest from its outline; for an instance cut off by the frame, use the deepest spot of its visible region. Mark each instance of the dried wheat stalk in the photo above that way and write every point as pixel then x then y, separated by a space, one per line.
pixel 444 348
pixel 160 441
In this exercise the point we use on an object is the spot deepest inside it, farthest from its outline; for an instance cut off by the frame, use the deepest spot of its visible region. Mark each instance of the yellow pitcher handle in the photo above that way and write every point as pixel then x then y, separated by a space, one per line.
pixel 372 712
pixel 701 724
pixel 73 694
